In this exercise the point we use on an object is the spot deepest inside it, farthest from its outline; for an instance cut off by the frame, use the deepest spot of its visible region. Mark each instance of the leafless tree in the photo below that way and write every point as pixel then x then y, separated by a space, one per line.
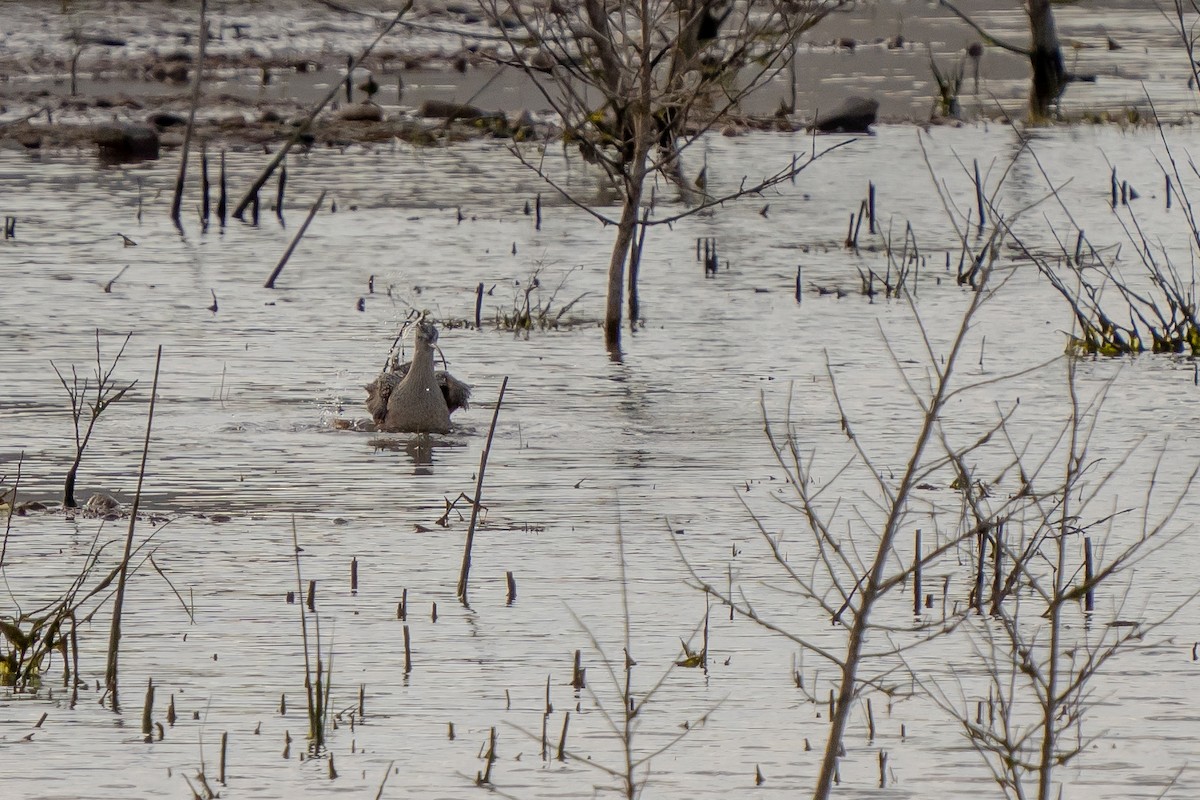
pixel 1040 645
pixel 90 398
pixel 1050 76
pixel 636 82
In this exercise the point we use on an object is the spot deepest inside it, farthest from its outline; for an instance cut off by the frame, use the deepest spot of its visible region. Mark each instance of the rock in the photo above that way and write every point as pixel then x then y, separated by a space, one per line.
pixel 165 119
pixel 127 141
pixel 361 112
pixel 440 109
pixel 855 115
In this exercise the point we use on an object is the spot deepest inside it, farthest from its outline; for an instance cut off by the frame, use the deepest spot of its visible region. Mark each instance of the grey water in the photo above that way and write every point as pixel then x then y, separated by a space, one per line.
pixel 661 454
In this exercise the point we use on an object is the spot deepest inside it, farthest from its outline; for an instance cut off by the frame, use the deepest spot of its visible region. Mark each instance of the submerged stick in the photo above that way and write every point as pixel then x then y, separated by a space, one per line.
pixel 312 212
pixel 114 635
pixel 304 126
pixel 464 574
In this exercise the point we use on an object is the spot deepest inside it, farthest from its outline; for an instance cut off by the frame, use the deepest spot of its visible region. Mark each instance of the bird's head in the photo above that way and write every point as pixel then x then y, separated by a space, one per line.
pixel 426 333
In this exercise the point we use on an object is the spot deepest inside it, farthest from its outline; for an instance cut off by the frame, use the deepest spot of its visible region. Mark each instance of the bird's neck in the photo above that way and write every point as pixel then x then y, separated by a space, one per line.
pixel 423 359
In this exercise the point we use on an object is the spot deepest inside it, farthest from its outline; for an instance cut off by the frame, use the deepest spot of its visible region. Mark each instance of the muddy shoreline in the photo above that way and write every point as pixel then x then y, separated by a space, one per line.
pixel 133 63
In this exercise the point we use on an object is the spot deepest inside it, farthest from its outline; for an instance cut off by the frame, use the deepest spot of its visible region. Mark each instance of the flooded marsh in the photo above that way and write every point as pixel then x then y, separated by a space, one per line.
pixel 664 439
pixel 695 520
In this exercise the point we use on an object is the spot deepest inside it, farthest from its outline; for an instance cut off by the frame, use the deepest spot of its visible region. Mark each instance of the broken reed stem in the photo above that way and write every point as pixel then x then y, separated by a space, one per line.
pixel 871 206
pixel 177 202
pixel 382 783
pixel 917 575
pixel 114 635
pixel 407 651
pixel 279 194
pixel 312 212
pixel 979 202
pixel 478 306
pixel 353 576
pixel 308 682
pixel 205 187
pixel 223 195
pixel 512 587
pixel 12 505
pixel 549 709
pixel 465 573
pixel 578 678
pixel 979 568
pixel 562 738
pixel 148 710
pixel 306 124
pixel 1089 600
pixel 224 746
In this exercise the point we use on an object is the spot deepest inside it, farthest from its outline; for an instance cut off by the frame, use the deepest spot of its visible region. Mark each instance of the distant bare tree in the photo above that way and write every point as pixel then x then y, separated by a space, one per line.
pixel 1050 77
pixel 636 82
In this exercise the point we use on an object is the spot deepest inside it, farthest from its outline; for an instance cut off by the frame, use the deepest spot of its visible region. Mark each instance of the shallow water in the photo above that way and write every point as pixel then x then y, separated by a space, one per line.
pixel 666 438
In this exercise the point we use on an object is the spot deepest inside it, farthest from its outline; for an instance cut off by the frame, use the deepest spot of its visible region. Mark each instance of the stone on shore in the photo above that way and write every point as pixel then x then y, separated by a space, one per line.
pixel 855 115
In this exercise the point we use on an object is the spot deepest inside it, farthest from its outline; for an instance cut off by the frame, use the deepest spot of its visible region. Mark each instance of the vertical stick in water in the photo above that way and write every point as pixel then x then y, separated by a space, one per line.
pixel 997 567
pixel 148 710
pixel 177 202
pixel 205 187
pixel 799 284
pixel 512 587
pixel 562 739
pixel 1114 188
pixel 537 205
pixel 1168 192
pixel 407 652
pixel 871 204
pixel 353 576
pixel 254 211
pixel 478 305
pixel 1089 600
pixel 224 746
pixel 114 636
pixel 983 540
pixel 979 197
pixel 349 79
pixel 279 195
pixel 917 574
pixel 222 201
pixel 465 573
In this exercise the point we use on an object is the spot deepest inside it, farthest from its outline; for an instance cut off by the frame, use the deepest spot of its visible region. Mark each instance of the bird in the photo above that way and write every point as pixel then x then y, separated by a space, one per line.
pixel 413 397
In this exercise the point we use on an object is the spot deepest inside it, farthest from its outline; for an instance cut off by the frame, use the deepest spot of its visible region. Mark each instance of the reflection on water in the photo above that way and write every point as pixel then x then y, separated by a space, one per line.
pixel 672 432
